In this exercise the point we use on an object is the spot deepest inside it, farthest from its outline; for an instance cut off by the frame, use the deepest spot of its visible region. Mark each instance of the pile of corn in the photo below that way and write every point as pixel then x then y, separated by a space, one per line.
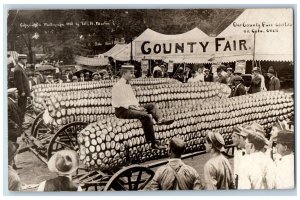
pixel 112 142
pixel 43 92
pixel 94 105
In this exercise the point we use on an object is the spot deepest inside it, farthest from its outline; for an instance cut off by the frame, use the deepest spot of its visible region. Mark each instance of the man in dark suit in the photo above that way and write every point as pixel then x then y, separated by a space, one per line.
pixel 207 77
pixel 274 83
pixel 239 88
pixel 255 85
pixel 22 84
pixel 220 78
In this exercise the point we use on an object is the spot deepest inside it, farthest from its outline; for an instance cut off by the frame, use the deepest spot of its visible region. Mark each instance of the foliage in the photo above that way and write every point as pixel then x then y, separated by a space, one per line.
pixel 66 41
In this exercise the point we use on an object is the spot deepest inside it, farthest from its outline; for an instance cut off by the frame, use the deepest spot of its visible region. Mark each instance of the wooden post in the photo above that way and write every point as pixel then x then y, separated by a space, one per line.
pixel 253 64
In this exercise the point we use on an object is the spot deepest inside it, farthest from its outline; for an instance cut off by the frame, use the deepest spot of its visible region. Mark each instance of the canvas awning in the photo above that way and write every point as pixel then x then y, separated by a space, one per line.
pixel 114 49
pixel 91 61
pixel 273 37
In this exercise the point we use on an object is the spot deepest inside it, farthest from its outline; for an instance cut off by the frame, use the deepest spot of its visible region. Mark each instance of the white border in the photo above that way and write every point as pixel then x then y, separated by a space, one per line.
pixel 208 3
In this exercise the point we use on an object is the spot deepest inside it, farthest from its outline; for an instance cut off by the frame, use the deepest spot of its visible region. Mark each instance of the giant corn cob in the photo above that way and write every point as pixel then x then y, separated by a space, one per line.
pixel 94 105
pixel 113 142
pixel 43 92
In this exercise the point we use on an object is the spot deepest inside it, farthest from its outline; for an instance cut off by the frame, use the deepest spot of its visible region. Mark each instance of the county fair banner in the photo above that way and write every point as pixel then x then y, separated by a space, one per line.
pixel 218 47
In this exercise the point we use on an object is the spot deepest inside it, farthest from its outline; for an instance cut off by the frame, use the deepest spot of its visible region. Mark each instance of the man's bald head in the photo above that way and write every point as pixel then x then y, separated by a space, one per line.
pixel 176 146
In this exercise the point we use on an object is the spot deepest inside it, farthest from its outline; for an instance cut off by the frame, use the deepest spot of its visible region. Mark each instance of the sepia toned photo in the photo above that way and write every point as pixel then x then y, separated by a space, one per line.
pixel 150 99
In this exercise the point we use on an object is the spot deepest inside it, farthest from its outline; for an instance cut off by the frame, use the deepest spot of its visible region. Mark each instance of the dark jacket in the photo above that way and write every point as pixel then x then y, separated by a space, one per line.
pixel 255 85
pixel 274 83
pixel 60 183
pixel 21 81
pixel 208 78
pixel 239 90
pixel 220 79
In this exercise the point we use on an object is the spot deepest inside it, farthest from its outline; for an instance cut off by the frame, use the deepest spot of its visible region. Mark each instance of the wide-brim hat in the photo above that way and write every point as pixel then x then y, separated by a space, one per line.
pixel 229 68
pixel 205 69
pixel 238 131
pixel 127 67
pixel 64 162
pixel 237 78
pixel 286 137
pixel 271 71
pixel 217 140
pixel 22 56
pixel 12 90
pixel 255 69
pixel 258 128
pixel 257 139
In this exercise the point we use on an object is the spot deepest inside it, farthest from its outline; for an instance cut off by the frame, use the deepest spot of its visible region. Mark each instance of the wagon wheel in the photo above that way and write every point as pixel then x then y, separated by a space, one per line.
pixel 39 128
pixel 65 138
pixel 134 177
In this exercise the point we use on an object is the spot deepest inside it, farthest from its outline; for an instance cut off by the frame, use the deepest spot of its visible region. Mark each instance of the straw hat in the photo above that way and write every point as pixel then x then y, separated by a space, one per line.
pixel 258 128
pixel 238 78
pixel 64 162
pixel 217 140
pixel 257 139
pixel 286 137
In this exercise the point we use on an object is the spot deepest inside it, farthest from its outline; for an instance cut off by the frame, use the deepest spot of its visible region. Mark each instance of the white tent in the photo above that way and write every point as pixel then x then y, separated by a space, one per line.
pixel 158 38
pixel 91 61
pixel 273 38
pixel 114 49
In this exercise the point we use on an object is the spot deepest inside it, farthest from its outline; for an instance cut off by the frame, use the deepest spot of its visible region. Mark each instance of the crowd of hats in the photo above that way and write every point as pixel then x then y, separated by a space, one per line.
pixel 112 142
pixel 43 92
pixel 91 105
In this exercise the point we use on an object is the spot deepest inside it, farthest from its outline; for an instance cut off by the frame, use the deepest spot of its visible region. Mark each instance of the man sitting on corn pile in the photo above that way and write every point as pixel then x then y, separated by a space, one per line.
pixel 127 106
pixel 176 175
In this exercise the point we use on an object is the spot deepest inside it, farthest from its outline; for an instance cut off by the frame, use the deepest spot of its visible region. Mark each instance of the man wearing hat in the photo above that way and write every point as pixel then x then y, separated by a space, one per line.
pixel 96 76
pixel 285 174
pixel 239 88
pixel 207 77
pixel 63 163
pixel 74 79
pixel 22 84
pixel 176 175
pixel 274 83
pixel 194 77
pixel 14 182
pixel 200 73
pixel 220 78
pixel 230 76
pixel 14 121
pixel 255 85
pixel 87 76
pixel 239 137
pixel 218 174
pixel 127 106
pixel 258 170
pixel 157 71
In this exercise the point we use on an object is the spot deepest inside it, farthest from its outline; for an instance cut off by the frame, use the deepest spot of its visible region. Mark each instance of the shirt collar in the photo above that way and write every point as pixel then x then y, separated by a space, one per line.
pixel 287 157
pixel 21 65
pixel 124 81
pixel 174 160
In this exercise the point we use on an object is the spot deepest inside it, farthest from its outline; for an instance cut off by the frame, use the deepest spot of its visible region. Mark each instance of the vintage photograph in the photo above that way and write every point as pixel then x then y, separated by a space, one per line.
pixel 150 99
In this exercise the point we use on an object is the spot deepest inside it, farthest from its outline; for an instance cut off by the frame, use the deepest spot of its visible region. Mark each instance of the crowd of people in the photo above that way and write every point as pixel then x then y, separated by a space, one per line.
pixel 253 149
